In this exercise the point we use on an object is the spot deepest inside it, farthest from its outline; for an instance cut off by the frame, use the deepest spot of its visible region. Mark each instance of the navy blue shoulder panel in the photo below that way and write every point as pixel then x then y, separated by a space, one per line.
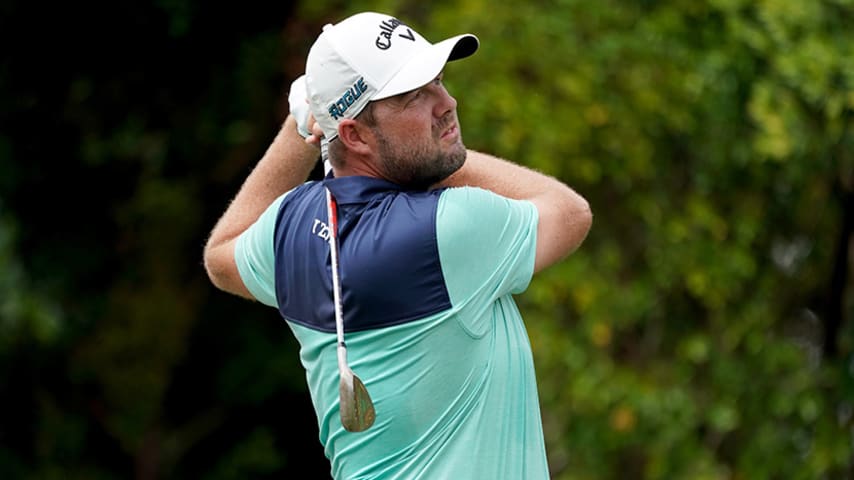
pixel 388 255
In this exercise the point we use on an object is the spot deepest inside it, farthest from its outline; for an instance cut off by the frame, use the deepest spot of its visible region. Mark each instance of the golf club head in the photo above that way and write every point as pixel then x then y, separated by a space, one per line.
pixel 357 409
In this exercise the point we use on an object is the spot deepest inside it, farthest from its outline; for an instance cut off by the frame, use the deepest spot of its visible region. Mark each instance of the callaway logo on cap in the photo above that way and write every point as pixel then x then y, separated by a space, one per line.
pixel 370 56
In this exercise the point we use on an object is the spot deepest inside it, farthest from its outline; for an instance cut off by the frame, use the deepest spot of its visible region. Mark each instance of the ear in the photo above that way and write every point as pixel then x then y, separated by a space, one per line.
pixel 356 136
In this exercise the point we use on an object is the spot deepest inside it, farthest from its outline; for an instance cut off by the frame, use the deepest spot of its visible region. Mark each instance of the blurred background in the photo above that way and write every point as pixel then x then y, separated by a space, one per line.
pixel 704 330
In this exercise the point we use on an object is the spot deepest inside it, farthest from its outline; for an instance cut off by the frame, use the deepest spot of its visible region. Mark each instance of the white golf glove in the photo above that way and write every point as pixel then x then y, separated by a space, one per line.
pixel 298 105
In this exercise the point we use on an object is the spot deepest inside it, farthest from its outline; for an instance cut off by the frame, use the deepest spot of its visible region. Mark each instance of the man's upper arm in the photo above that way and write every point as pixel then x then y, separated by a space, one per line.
pixel 486 242
pixel 254 256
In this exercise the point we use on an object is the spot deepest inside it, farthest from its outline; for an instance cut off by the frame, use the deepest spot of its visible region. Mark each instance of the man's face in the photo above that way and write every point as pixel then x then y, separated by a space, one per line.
pixel 419 138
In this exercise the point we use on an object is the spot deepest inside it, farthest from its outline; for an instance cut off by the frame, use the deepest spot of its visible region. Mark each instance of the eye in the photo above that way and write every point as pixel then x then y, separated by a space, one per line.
pixel 412 96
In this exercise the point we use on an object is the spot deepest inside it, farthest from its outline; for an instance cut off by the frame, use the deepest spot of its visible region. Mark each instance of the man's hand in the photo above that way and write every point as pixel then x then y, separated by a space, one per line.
pixel 298 104
pixel 307 127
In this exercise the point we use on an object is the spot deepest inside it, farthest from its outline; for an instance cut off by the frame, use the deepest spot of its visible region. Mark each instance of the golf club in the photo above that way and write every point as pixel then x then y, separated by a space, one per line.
pixel 356 407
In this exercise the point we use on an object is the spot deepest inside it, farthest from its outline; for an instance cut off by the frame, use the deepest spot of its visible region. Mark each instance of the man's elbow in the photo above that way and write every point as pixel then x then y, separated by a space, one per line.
pixel 219 268
pixel 580 221
pixel 216 273
pixel 585 217
pixel 562 233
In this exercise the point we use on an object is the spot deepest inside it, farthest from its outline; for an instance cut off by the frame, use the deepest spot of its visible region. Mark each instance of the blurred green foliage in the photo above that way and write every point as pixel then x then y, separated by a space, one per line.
pixel 703 331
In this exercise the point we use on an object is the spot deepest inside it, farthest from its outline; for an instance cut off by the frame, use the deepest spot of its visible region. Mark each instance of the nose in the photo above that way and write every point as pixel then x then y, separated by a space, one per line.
pixel 447 103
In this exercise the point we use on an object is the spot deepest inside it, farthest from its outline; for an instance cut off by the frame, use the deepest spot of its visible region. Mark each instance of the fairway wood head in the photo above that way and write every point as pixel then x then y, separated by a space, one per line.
pixel 357 409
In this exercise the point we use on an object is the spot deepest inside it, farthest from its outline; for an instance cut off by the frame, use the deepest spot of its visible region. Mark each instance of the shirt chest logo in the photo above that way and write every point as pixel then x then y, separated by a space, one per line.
pixel 320 229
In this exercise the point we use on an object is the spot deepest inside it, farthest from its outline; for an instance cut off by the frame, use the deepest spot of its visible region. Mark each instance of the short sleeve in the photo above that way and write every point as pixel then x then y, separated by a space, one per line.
pixel 487 244
pixel 254 255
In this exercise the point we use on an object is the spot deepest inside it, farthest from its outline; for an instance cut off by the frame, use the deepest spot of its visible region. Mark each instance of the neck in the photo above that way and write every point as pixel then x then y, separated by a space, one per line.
pixel 356 165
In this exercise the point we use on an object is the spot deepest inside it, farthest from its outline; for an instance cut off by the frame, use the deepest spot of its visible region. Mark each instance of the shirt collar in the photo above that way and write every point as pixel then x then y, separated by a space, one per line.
pixel 358 189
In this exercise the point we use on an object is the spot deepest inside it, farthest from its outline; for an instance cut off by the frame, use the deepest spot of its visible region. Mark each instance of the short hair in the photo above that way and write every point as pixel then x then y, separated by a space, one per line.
pixel 337 149
pixel 367 115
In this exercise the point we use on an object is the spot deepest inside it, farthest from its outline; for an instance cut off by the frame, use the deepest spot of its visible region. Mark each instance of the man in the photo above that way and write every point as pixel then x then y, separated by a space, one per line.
pixel 433 242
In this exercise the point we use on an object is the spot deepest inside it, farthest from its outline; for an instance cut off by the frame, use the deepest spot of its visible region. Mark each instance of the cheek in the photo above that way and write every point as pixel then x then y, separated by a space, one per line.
pixel 414 124
pixel 411 132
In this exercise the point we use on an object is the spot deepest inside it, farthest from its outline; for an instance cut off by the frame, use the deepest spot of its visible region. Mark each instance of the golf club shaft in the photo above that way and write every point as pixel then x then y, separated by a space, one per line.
pixel 336 282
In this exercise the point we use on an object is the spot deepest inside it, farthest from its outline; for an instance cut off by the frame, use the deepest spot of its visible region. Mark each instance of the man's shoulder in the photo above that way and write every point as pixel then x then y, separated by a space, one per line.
pixel 469 201
pixel 470 194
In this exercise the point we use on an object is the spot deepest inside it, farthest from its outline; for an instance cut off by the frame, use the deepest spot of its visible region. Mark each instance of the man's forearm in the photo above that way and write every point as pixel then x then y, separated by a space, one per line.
pixel 286 164
pixel 502 177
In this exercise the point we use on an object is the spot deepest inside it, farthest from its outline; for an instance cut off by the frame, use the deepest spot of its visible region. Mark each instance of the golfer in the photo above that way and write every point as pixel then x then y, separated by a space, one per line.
pixel 433 242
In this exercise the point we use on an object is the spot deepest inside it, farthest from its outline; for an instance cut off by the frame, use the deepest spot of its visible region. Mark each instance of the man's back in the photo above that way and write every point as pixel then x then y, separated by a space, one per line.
pixel 432 329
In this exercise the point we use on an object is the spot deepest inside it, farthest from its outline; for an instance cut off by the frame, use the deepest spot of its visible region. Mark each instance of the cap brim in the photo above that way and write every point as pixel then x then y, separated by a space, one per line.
pixel 426 65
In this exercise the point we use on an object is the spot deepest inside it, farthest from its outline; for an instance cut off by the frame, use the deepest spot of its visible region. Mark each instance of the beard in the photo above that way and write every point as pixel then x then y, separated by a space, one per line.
pixel 419 165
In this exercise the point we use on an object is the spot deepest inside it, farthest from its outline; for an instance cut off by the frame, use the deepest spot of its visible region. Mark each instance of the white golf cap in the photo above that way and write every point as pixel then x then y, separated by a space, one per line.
pixel 370 56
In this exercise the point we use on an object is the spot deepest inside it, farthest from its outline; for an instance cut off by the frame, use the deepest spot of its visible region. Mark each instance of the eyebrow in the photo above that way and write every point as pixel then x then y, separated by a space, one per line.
pixel 401 99
pixel 412 92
